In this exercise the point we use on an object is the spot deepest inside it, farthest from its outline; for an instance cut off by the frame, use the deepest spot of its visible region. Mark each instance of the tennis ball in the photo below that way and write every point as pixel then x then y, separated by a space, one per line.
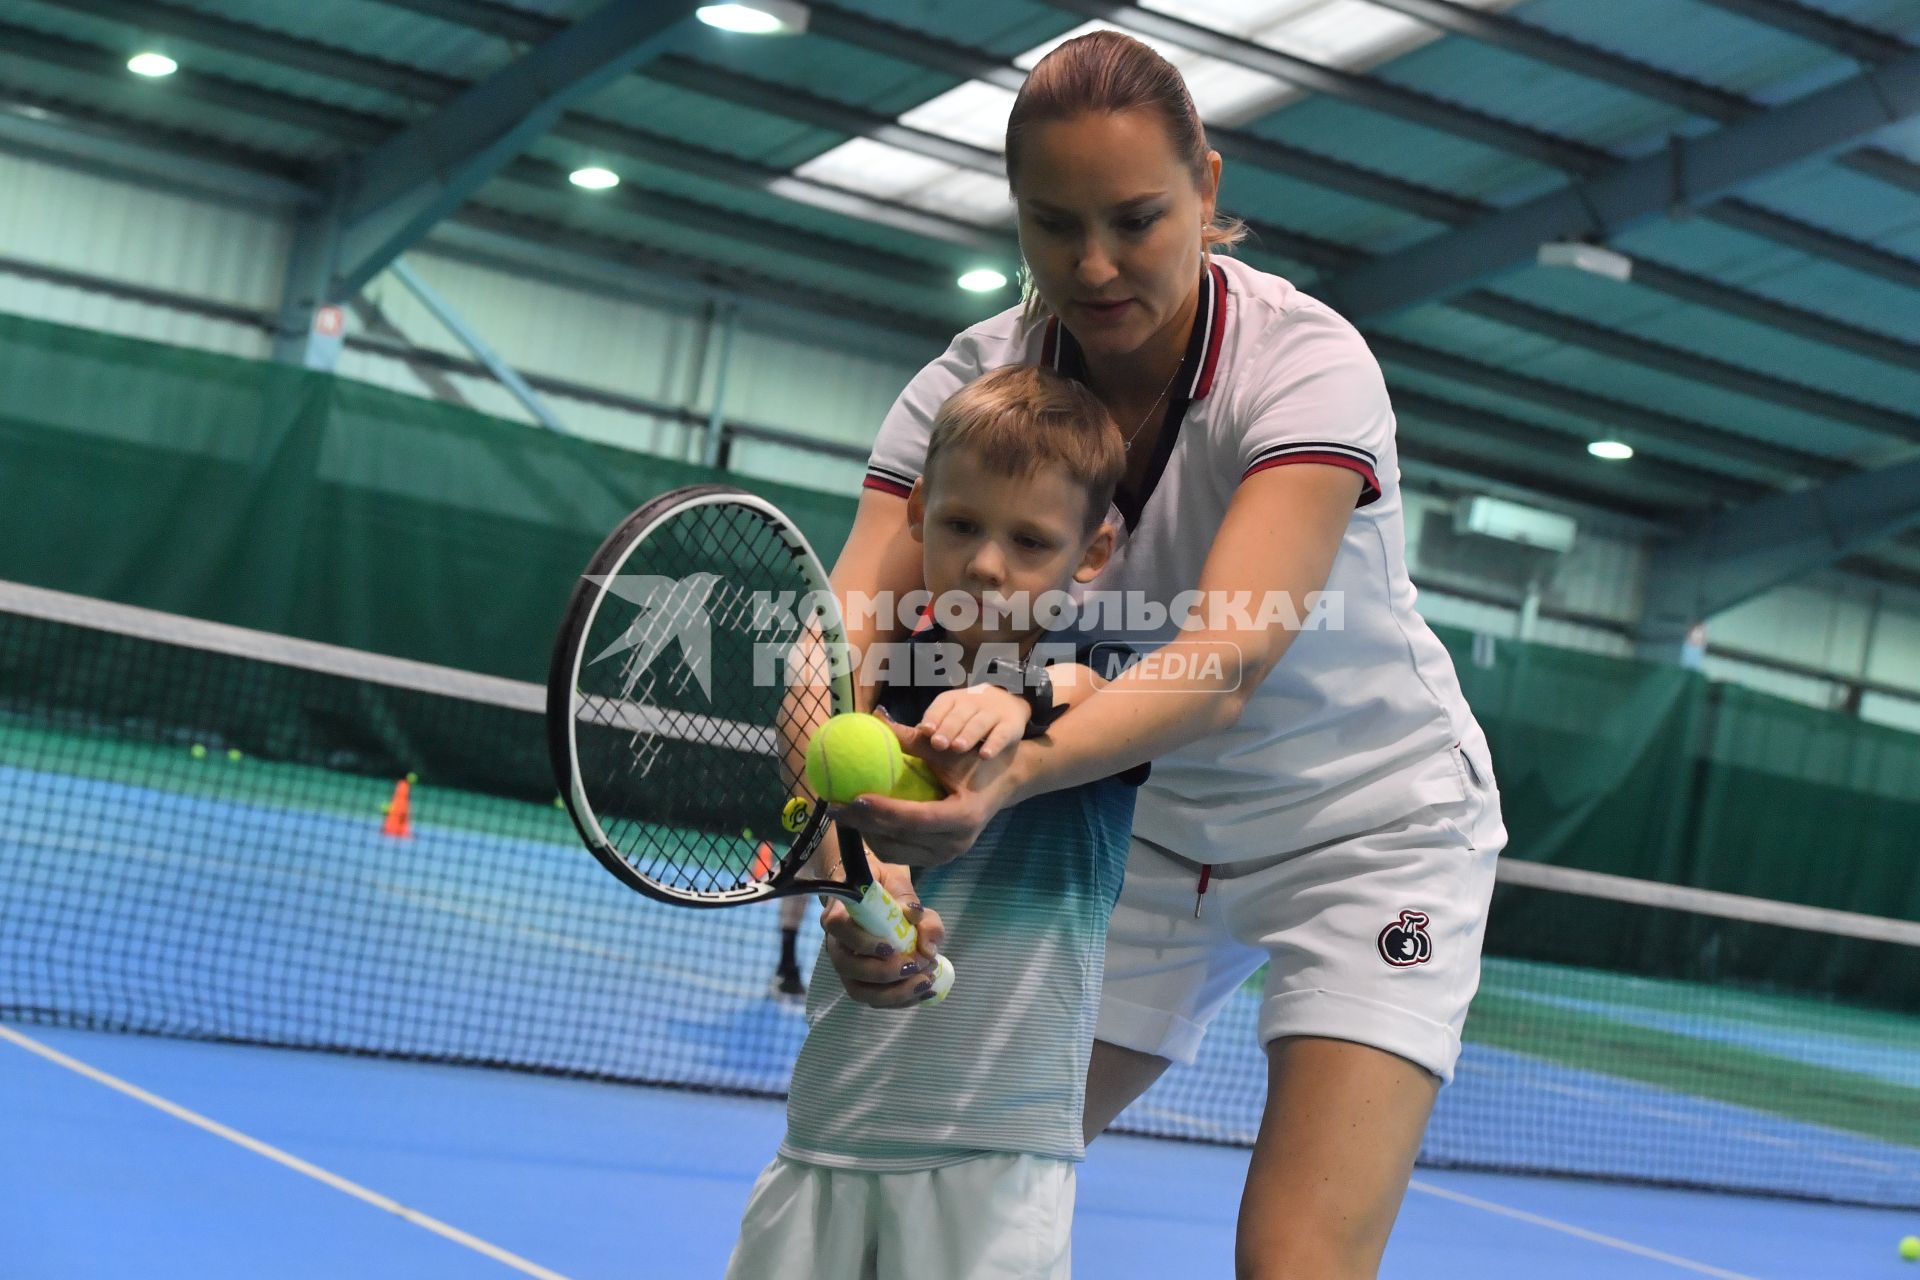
pixel 795 815
pixel 916 780
pixel 1910 1248
pixel 199 751
pixel 853 754
pixel 233 753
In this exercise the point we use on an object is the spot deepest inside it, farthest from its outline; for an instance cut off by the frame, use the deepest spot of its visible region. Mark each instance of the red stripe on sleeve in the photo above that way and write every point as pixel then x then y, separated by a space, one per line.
pixel 893 487
pixel 1370 483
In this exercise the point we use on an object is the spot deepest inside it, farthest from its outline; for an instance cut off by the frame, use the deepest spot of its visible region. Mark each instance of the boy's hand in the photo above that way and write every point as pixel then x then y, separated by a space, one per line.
pixel 870 969
pixel 985 717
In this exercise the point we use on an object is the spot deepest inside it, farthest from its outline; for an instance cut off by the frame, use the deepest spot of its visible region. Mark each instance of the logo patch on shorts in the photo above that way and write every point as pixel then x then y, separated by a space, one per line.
pixel 1405 941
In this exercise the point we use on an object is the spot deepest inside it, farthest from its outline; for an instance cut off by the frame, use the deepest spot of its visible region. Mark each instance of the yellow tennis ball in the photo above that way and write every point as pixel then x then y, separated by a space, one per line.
pixel 916 781
pixel 1910 1248
pixel 199 751
pixel 851 755
pixel 794 817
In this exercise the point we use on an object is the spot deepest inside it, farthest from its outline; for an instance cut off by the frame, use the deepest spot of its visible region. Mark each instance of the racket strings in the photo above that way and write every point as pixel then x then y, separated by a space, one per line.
pixel 685 741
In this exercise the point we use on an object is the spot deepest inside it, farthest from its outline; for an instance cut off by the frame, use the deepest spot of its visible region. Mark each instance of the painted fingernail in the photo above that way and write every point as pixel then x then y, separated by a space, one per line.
pixel 908 969
pixel 885 949
pixel 925 989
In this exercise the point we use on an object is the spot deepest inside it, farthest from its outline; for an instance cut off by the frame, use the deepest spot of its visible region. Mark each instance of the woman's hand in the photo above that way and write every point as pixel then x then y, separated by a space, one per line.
pixel 929 833
pixel 870 969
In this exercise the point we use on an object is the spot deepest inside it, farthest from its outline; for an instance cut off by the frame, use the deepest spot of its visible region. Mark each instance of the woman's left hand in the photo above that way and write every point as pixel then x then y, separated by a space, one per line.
pixel 931 833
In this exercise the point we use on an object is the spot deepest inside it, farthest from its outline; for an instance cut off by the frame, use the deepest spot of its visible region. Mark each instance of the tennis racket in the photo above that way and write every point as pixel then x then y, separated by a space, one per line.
pixel 700 649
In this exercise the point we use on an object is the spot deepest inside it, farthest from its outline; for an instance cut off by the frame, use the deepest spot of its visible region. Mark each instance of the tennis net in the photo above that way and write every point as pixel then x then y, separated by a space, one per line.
pixel 206 835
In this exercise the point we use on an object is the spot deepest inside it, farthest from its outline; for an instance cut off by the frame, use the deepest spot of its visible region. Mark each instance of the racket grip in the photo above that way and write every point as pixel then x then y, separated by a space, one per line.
pixel 880 913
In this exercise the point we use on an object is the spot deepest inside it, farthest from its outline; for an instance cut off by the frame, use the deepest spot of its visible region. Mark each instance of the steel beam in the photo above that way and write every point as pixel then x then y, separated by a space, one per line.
pixel 469 337
pixel 396 193
pixel 1684 173
pixel 1362 91
pixel 1739 554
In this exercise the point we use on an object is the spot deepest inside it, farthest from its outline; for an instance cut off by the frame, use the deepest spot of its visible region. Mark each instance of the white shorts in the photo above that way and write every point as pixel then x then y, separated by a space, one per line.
pixel 1374 938
pixel 991 1217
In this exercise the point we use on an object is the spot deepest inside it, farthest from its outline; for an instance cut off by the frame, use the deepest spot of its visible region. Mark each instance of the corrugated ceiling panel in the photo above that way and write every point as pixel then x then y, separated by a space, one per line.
pixel 1896 645
pixel 1555 420
pixel 1851 204
pixel 1760 266
pixel 1005 27
pixel 939 303
pixel 1512 87
pixel 1695 40
pixel 638 176
pixel 1315 211
pixel 47 85
pixel 709 122
pixel 58 217
pixel 125 39
pixel 1545 358
pixel 1892 16
pixel 377 30
pixel 1716 335
pixel 1389 145
pixel 825 68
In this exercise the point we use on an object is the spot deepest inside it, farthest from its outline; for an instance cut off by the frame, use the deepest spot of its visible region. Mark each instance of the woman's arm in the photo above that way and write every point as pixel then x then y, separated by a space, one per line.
pixel 1281 533
pixel 881 561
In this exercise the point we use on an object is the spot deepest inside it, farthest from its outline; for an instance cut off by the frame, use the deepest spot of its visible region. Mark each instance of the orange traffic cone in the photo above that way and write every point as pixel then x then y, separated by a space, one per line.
pixel 763 861
pixel 398 822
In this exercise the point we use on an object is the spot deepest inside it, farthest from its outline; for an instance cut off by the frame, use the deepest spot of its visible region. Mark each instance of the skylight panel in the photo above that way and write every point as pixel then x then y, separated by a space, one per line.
pixel 974 112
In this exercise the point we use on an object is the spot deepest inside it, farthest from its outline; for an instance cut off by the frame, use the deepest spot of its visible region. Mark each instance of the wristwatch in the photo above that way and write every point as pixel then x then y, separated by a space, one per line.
pixel 1030 683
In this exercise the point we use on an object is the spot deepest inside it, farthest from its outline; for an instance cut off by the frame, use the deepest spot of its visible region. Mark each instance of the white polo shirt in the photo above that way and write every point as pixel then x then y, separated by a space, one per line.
pixel 1355 727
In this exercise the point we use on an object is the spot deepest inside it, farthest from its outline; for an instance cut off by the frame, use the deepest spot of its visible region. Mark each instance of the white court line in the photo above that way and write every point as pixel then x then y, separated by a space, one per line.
pixel 1567 1228
pixel 293 1162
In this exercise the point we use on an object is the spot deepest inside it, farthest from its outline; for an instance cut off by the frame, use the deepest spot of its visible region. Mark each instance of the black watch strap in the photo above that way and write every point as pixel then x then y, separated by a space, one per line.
pixel 1031 684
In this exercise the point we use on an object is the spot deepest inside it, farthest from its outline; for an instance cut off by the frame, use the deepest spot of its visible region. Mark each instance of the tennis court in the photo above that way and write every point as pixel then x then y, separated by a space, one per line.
pixel 196 852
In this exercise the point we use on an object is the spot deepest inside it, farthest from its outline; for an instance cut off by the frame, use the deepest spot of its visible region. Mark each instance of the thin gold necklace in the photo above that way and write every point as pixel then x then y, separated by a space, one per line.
pixel 1142 425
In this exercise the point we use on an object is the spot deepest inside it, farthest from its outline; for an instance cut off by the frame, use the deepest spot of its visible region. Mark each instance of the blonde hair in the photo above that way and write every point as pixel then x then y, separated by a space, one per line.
pixel 1105 72
pixel 1016 420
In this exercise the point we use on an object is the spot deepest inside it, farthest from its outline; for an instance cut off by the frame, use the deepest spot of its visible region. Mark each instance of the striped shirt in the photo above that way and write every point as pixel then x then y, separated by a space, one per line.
pixel 1001 1064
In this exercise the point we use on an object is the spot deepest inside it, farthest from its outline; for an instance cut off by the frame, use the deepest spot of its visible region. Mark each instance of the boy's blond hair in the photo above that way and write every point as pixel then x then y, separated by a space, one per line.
pixel 1019 419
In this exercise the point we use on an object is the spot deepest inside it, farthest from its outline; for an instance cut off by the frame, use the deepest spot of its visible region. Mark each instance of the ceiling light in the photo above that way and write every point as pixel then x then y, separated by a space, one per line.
pixel 594 178
pixel 1592 258
pixel 1611 450
pixel 152 64
pixel 760 18
pixel 982 280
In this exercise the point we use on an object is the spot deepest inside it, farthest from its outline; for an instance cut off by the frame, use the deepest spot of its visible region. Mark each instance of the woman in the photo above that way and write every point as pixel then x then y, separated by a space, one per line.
pixel 1321 798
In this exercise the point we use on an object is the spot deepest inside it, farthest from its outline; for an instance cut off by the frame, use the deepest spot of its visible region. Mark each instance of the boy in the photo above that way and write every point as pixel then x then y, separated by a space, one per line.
pixel 942 1143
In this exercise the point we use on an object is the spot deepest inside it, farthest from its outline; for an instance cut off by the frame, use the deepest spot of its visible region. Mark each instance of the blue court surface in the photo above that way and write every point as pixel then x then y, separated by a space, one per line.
pixel 418 1171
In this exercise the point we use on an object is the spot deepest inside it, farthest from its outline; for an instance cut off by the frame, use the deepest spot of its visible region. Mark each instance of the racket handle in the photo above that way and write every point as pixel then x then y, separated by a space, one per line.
pixel 880 913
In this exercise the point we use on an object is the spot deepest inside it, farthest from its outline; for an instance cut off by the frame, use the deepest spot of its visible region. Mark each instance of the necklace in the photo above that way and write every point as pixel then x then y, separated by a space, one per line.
pixel 1142 425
